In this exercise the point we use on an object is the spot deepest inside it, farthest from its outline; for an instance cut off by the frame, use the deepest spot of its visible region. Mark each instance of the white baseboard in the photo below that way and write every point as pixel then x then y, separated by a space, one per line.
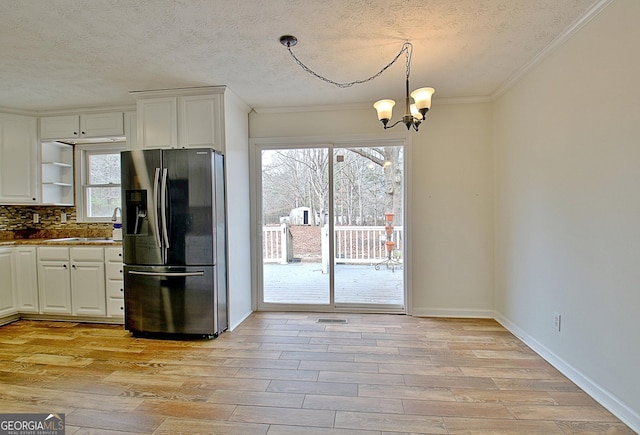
pixel 235 325
pixel 453 313
pixel 599 394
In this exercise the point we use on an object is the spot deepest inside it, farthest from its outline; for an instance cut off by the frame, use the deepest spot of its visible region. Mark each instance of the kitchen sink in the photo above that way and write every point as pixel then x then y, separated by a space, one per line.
pixel 81 239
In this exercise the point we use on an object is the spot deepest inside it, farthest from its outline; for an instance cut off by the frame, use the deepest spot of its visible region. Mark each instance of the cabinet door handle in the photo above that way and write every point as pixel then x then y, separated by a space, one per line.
pixel 64 265
pixel 73 266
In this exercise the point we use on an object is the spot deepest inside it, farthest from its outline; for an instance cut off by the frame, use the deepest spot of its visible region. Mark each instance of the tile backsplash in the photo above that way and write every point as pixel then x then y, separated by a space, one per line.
pixel 17 222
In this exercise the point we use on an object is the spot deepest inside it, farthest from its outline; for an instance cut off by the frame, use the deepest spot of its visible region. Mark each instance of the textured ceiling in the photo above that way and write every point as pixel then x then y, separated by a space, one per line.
pixel 57 54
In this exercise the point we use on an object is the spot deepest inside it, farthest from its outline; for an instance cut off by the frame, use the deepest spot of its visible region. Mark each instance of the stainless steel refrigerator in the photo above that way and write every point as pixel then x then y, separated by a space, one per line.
pixel 174 242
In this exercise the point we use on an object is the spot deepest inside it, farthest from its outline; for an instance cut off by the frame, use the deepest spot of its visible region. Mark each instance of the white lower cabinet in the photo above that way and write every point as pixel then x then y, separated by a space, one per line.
pixel 7 288
pixel 87 281
pixel 114 279
pixel 71 280
pixel 54 280
pixel 26 278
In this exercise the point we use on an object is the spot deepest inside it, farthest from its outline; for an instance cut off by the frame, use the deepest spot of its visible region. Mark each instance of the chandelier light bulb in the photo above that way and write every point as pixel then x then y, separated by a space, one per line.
pixel 422 98
pixel 415 112
pixel 384 108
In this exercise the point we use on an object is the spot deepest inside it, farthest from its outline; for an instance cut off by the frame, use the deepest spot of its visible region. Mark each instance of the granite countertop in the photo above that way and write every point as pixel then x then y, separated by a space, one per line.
pixel 65 241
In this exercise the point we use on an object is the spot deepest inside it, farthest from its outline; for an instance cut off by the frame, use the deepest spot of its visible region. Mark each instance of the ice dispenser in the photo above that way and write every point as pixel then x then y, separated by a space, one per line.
pixel 136 212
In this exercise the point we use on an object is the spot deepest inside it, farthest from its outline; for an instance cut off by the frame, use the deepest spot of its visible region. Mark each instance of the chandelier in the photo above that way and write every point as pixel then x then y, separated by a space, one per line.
pixel 414 112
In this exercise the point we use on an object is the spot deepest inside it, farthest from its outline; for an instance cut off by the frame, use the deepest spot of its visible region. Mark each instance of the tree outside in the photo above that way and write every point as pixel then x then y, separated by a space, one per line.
pixel 368 183
pixel 103 190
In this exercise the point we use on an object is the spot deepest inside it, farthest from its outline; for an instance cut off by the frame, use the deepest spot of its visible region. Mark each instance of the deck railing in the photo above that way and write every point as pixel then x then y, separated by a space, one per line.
pixel 353 244
pixel 359 244
pixel 277 244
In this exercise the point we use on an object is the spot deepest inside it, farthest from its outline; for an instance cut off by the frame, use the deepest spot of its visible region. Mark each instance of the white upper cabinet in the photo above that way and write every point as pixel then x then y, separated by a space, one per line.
pixel 60 127
pixel 181 118
pixel 19 165
pixel 89 125
pixel 157 122
pixel 200 123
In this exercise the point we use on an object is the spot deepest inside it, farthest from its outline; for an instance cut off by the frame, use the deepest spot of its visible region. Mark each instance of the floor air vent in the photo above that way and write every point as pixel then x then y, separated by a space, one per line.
pixel 332 320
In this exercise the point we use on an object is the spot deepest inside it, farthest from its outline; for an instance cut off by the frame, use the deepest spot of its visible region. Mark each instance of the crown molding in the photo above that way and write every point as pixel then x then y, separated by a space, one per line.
pixel 362 106
pixel 553 46
pixel 11 111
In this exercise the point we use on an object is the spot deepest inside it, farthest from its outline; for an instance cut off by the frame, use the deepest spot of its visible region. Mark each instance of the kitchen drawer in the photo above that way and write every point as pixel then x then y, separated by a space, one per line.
pixel 114 271
pixel 87 254
pixel 115 307
pixel 113 254
pixel 115 289
pixel 53 253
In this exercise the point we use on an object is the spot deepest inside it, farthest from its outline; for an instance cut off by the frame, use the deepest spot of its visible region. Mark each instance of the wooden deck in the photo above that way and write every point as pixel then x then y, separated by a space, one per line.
pixel 304 283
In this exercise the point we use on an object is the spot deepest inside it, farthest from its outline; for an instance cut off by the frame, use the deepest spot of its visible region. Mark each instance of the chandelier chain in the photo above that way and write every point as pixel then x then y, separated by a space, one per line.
pixel 407 48
pixel 408 51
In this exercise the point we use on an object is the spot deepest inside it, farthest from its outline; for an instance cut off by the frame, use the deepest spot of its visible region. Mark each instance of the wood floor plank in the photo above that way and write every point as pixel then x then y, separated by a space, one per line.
pixel 55 360
pixel 360 378
pixel 339 366
pixel 172 426
pixel 456 409
pixel 298 430
pixel 359 404
pixel 484 426
pixel 190 410
pixel 257 398
pixel 504 396
pixel 406 392
pixel 561 413
pixel 283 416
pixel 318 356
pixel 106 420
pixel 304 387
pixel 390 422
pixel 582 427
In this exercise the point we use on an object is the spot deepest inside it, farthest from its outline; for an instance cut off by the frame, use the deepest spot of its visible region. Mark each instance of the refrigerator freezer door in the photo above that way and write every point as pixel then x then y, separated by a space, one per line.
pixel 190 207
pixel 140 221
pixel 172 300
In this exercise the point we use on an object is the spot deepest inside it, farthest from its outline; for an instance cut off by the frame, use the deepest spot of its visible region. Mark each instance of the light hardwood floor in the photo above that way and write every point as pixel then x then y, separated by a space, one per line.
pixel 287 374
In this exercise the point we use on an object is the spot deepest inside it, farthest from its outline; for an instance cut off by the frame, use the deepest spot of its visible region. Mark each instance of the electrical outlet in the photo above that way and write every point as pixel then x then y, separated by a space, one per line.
pixel 63 217
pixel 36 218
pixel 557 321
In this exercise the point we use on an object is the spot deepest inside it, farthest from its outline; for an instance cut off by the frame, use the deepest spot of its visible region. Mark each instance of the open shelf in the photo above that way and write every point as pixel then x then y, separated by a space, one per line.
pixel 57 173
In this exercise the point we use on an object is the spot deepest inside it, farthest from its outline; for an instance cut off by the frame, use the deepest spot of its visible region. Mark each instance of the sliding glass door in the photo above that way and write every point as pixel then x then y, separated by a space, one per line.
pixel 295 203
pixel 368 197
pixel 332 227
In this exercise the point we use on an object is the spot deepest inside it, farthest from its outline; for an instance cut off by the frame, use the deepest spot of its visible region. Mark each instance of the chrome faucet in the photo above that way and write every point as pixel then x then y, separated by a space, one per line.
pixel 114 218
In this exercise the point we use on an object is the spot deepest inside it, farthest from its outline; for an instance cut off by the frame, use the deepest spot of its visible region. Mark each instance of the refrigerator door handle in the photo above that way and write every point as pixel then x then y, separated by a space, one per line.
pixel 163 202
pixel 136 272
pixel 156 180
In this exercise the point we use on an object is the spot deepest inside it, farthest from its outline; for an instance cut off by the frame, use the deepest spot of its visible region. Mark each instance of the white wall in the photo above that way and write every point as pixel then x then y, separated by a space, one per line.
pixel 237 173
pixel 452 213
pixel 567 147
pixel 451 197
